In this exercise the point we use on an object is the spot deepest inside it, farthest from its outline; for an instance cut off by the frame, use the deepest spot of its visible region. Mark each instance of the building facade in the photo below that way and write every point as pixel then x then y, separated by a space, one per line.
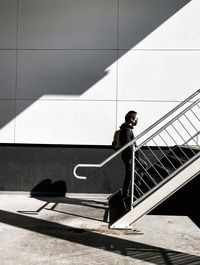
pixel 70 70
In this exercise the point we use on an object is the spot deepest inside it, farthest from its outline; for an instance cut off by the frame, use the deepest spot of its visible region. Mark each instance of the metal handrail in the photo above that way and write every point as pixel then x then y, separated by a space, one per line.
pixel 176 171
pixel 169 122
pixel 137 137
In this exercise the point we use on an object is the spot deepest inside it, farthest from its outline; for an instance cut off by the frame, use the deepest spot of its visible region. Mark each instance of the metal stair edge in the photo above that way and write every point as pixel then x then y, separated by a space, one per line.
pixel 158 196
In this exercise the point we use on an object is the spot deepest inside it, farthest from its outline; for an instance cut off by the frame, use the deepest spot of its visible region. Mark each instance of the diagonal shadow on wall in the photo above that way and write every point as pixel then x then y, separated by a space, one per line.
pixel 72 72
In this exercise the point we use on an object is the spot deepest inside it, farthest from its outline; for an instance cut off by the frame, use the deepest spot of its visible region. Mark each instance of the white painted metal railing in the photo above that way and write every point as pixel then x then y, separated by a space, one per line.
pixel 190 114
pixel 171 147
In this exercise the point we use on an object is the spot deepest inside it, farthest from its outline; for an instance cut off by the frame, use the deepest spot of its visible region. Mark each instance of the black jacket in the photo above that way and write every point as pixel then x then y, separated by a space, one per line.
pixel 126 135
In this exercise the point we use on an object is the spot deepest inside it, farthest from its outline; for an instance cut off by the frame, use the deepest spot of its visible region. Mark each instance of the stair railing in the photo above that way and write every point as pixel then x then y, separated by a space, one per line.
pixel 158 122
pixel 177 138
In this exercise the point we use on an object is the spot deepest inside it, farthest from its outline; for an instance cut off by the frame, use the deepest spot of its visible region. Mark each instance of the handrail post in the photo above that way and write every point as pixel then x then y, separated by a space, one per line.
pixel 133 174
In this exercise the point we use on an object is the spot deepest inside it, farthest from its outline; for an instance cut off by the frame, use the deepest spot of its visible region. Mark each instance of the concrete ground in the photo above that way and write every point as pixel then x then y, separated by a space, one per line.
pixel 50 231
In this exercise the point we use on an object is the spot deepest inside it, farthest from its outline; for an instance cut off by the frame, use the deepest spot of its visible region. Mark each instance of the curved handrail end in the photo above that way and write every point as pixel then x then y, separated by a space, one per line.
pixel 77 176
pixel 84 165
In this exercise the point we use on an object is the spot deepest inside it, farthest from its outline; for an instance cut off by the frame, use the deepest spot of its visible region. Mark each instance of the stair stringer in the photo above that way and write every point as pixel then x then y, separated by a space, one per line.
pixel 161 194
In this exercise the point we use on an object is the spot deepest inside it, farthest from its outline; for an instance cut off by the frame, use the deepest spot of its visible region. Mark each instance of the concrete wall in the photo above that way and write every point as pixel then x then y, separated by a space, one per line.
pixel 70 70
pixel 49 170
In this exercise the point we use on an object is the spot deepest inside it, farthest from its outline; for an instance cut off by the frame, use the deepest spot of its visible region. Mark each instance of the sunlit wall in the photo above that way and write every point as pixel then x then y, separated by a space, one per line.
pixel 71 69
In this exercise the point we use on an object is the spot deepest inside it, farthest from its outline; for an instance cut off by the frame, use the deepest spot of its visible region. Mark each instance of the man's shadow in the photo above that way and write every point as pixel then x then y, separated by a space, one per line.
pixel 54 193
pixel 47 188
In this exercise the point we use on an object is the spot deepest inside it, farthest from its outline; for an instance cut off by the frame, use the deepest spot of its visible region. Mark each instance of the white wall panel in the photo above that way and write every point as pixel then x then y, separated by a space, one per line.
pixel 150 112
pixel 180 31
pixel 8 24
pixel 65 122
pixel 64 53
pixel 67 74
pixel 7 110
pixel 158 75
pixel 68 24
pixel 7 74
pixel 138 19
pixel 147 112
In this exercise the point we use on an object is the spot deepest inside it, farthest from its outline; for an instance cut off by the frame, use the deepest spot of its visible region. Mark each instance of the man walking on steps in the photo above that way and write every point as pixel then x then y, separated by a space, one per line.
pixel 126 135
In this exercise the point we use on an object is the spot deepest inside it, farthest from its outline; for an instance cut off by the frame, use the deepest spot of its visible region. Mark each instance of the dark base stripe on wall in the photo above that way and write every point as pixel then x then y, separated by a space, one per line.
pixel 47 170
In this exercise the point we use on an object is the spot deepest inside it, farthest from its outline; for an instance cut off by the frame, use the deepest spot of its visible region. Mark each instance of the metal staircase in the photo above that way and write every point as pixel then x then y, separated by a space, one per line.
pixel 171 151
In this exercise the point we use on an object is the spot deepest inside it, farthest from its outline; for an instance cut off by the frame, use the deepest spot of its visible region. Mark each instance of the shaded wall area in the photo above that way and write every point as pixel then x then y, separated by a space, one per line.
pixel 183 203
pixel 48 171
pixel 49 168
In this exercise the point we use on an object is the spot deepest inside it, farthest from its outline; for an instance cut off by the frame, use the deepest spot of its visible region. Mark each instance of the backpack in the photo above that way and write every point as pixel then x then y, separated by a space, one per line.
pixel 116 145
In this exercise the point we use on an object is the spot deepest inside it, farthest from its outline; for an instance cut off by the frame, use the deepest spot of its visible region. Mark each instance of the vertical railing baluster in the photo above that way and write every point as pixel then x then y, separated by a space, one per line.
pixel 133 175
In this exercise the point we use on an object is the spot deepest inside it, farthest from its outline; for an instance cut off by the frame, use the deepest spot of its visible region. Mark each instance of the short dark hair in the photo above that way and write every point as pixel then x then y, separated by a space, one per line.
pixel 131 114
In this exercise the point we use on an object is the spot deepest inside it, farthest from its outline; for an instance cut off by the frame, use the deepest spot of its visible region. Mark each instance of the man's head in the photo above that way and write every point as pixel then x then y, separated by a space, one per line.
pixel 130 117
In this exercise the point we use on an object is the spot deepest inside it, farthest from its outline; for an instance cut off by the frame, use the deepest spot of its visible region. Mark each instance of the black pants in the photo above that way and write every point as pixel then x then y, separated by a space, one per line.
pixel 126 189
pixel 140 166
